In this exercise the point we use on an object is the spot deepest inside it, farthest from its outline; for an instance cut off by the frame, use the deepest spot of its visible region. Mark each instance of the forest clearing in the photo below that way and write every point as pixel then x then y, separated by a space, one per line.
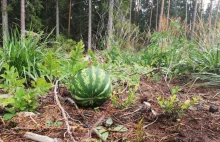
pixel 111 71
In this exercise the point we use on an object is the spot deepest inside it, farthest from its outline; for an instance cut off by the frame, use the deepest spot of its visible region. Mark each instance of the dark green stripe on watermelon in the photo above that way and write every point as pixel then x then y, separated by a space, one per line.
pixel 91 87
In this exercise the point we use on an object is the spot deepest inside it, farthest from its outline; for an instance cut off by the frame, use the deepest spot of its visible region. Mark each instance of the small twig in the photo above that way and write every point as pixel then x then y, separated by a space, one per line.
pixel 2 121
pixel 165 79
pixel 98 134
pixel 63 111
pixel 132 112
pixel 166 137
pixel 34 120
pixel 124 89
pixel 77 108
pixel 95 131
pixel 216 95
pixel 150 123
pixel 192 85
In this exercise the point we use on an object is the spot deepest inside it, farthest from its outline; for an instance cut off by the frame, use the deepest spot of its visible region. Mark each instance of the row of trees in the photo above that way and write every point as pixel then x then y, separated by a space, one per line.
pixel 94 20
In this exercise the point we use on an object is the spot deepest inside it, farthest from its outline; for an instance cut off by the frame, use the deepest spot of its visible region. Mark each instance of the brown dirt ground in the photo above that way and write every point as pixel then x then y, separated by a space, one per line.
pixel 196 125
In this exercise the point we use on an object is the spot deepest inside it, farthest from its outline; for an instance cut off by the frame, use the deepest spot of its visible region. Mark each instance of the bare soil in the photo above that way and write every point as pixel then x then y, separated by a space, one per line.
pixel 196 125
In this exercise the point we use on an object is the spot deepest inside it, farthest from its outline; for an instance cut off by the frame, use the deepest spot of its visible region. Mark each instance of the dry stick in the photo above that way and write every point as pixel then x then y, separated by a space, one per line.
pixel 150 123
pixel 95 131
pixel 132 112
pixel 38 138
pixel 63 112
pixel 77 108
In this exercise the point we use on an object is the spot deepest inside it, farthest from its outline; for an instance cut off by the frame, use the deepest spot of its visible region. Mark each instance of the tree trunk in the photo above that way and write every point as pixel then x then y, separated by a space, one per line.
pixel 161 16
pixel 4 20
pixel 135 12
pixel 22 19
pixel 90 26
pixel 201 9
pixel 151 13
pixel 57 19
pixel 110 23
pixel 157 17
pixel 186 13
pixel 69 17
pixel 194 18
pixel 216 18
pixel 138 8
pixel 210 15
pixel 168 13
pixel 130 10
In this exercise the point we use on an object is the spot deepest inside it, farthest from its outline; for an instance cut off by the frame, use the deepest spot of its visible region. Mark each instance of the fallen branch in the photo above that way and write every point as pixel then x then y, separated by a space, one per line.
pixel 63 111
pixel 38 138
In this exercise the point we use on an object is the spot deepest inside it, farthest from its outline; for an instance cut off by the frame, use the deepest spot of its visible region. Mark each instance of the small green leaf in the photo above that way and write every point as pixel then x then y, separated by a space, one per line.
pixel 8 116
pixel 57 123
pixel 120 128
pixel 109 122
pixel 103 132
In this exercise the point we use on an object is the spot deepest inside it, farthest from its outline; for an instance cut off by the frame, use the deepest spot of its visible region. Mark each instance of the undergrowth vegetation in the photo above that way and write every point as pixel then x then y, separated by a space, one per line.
pixel 28 68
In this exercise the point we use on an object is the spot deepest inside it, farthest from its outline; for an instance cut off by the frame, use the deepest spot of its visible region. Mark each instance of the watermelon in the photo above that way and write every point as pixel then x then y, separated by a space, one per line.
pixel 91 87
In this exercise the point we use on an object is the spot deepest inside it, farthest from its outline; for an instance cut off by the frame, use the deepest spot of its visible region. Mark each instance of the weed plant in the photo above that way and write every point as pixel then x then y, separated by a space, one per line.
pixel 23 54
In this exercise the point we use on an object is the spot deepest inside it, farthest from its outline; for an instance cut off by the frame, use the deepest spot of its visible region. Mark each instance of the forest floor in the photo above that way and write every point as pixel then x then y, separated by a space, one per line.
pixel 196 125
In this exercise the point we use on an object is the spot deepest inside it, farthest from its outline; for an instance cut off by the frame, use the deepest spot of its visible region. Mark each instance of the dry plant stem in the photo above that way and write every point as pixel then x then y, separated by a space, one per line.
pixel 132 112
pixel 63 111
pixel 77 108
pixel 192 85
pixel 169 136
pixel 95 131
pixel 98 134
pixel 2 122
pixel 165 79
pixel 38 138
pixel 216 95
pixel 150 123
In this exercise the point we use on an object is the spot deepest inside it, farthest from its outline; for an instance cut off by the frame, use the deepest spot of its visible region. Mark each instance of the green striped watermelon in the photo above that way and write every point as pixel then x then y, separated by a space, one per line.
pixel 91 87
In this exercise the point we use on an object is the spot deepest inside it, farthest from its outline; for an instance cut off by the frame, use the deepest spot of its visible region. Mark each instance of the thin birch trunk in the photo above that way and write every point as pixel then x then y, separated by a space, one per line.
pixel 151 13
pixel 168 13
pixel 4 20
pixel 69 17
pixel 57 19
pixel 22 19
pixel 194 18
pixel 110 23
pixel 157 16
pixel 90 26
pixel 216 18
pixel 210 15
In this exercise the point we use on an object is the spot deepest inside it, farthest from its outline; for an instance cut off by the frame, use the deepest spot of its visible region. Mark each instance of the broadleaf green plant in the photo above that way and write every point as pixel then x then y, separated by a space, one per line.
pixel 173 108
pixel 11 79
